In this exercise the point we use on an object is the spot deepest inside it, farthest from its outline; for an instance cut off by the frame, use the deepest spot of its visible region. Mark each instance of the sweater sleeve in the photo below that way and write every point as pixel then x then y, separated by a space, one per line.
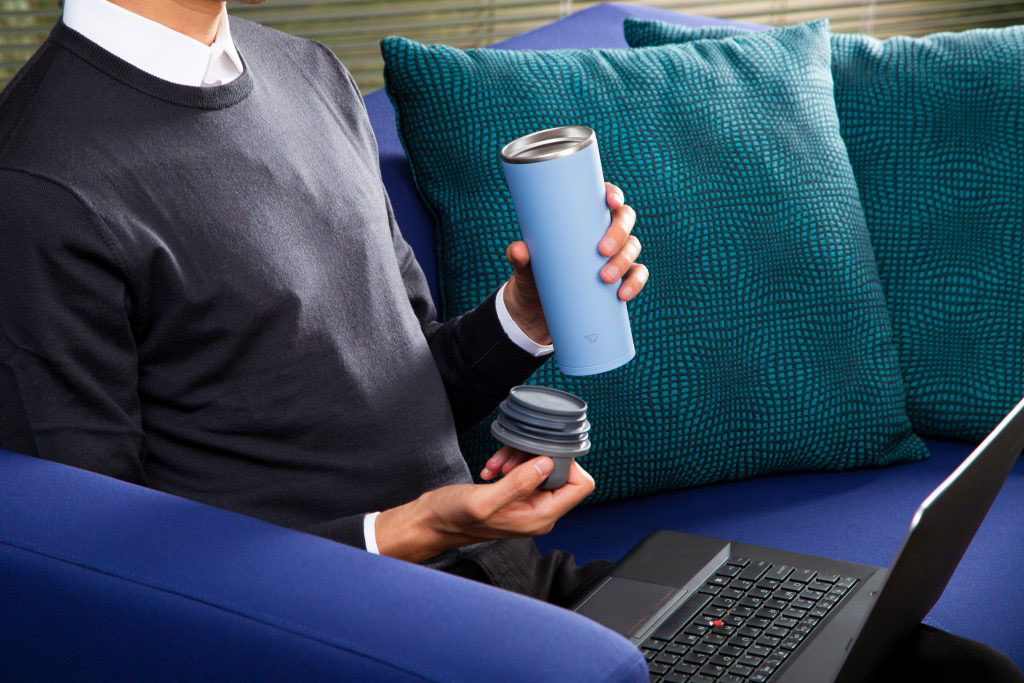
pixel 477 360
pixel 68 362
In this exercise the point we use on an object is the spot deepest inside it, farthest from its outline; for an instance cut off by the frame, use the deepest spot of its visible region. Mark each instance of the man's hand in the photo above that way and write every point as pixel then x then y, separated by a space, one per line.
pixel 462 514
pixel 621 248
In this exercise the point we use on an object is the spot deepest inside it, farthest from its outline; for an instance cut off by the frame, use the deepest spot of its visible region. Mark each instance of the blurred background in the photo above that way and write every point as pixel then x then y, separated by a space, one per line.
pixel 352 28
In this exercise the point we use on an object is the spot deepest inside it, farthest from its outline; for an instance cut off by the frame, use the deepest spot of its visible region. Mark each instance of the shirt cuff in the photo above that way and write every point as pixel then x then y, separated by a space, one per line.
pixel 517 336
pixel 370 533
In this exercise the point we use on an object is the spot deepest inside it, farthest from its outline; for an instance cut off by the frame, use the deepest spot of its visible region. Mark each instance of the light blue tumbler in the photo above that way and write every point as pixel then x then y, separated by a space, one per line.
pixel 558 190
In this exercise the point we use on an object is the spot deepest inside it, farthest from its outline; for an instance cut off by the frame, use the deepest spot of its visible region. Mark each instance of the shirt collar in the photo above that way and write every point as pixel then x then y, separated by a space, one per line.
pixel 153 47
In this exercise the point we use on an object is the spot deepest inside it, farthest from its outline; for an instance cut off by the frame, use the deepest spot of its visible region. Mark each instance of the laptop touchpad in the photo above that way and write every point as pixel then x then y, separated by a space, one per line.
pixel 624 605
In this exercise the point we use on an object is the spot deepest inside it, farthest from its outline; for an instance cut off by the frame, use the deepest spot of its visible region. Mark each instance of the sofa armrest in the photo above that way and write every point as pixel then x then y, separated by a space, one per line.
pixel 100 579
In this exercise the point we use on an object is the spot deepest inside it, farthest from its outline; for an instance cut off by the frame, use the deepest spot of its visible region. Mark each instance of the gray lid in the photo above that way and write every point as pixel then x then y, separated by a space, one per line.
pixel 538 420
pixel 536 446
pixel 547 144
pixel 547 401
pixel 555 436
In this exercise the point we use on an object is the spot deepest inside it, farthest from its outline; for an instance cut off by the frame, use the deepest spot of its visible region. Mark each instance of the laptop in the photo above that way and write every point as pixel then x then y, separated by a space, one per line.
pixel 704 610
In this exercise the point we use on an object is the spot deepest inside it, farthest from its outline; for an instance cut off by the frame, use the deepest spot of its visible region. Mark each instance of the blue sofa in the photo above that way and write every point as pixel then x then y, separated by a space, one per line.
pixel 100 579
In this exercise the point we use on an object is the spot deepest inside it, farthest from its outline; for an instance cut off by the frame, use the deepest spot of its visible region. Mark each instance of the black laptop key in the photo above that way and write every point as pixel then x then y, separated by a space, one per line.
pixel 828 578
pixel 741 670
pixel 777 632
pixel 790 644
pixel 721 581
pixel 695 658
pixel 758 678
pixel 729 678
pixel 741 641
pixel 800 603
pixel 766 613
pixel 730 651
pixel 758 622
pixel 657 668
pixel 696 629
pixel 709 589
pixel 740 584
pixel 751 602
pixel 818 612
pixel 770 584
pixel 811 594
pixel 725 603
pixel 712 670
pixel 755 570
pixel 779 572
pixel 686 639
pixel 722 660
pixel 792 586
pixel 724 630
pixel 649 654
pixel 681 616
pixel 819 586
pixel 803 575
pixel 731 593
pixel 767 641
pixel 714 638
pixel 782 594
pixel 846 582
pixel 704 648
pixel 738 561
pixel 733 620
pixel 775 603
pixel 749 632
pixel 674 678
pixel 702 679
pixel 759 650
pixel 715 612
pixel 684 668
pixel 785 622
pixel 742 611
pixel 749 660
pixel 654 643
pixel 794 613
pixel 729 571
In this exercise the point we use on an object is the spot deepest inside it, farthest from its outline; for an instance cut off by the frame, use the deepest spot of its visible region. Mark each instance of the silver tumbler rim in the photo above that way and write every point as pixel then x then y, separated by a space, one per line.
pixel 547 144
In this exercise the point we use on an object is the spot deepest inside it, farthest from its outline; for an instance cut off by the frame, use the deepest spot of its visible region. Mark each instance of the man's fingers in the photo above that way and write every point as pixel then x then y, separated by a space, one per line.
pixel 518 254
pixel 623 220
pixel 613 196
pixel 517 484
pixel 619 264
pixel 563 499
pixel 634 281
pixel 496 462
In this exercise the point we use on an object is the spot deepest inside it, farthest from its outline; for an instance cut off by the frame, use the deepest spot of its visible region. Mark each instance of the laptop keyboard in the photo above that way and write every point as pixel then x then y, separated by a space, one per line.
pixel 743 624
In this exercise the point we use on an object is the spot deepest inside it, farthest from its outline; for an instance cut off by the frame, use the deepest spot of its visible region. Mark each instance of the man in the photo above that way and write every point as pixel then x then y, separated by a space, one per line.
pixel 203 290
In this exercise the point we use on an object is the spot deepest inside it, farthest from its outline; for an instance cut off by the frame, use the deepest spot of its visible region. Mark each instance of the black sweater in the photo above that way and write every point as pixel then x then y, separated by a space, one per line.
pixel 203 290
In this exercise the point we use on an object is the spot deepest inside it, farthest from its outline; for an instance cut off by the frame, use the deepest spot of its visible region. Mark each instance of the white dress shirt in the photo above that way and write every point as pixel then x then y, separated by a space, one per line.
pixel 154 48
pixel 175 57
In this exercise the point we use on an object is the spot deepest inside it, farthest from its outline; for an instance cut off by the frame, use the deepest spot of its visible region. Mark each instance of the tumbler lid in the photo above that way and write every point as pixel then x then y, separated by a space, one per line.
pixel 547 144
pixel 547 401
pixel 538 446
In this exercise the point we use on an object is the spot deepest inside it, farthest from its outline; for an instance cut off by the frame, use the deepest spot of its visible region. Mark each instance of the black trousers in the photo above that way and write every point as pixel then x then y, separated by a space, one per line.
pixel 928 655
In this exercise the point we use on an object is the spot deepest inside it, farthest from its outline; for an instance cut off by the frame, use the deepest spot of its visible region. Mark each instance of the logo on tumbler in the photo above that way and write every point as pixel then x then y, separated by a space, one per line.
pixel 590 338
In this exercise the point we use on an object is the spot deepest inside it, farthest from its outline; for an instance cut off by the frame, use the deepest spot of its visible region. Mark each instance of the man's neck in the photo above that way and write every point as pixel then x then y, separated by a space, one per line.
pixel 197 19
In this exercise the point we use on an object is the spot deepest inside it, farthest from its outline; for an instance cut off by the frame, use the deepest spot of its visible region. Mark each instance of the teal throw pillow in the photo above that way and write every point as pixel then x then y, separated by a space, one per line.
pixel 935 131
pixel 763 342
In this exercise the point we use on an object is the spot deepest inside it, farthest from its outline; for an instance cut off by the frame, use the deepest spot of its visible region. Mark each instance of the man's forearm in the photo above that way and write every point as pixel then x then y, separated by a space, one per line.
pixel 478 362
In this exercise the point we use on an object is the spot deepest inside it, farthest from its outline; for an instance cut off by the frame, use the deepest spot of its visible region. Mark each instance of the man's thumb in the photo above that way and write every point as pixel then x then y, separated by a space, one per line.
pixel 522 481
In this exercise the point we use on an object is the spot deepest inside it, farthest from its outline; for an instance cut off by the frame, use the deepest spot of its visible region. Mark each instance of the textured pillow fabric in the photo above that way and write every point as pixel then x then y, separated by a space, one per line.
pixel 935 131
pixel 763 343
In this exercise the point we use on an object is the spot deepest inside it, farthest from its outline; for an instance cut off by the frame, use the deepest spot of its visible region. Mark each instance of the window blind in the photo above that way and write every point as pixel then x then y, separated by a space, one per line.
pixel 352 28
